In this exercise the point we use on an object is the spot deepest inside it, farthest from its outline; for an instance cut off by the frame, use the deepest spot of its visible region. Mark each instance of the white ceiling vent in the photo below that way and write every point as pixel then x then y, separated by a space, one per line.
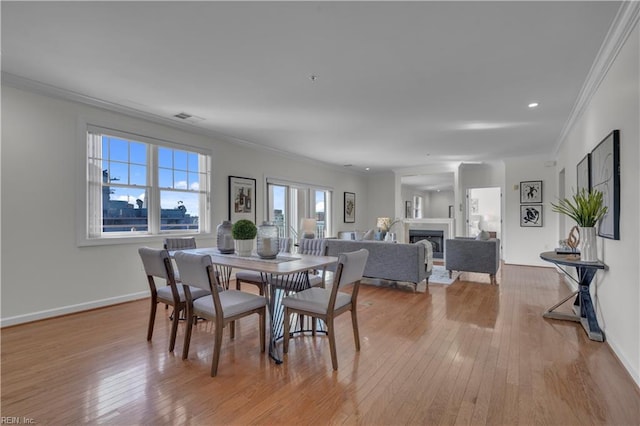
pixel 188 117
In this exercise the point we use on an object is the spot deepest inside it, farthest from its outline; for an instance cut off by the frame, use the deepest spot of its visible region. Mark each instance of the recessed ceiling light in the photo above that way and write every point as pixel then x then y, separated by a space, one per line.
pixel 313 77
pixel 367 168
pixel 533 105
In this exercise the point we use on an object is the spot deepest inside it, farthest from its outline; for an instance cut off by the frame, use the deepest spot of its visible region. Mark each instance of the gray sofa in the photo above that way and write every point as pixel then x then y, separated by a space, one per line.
pixel 389 261
pixel 472 255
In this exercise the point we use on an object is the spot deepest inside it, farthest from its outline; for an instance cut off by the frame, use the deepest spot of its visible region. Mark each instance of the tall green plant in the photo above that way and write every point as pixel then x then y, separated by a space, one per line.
pixel 585 207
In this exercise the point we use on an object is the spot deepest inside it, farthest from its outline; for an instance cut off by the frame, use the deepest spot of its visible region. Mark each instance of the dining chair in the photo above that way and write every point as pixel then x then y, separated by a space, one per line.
pixel 326 304
pixel 315 247
pixel 157 264
pixel 182 243
pixel 222 307
pixel 255 278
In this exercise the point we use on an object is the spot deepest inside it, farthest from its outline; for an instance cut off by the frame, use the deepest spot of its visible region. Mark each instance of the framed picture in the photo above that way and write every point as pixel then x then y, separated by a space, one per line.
pixel 605 177
pixel 584 173
pixel 349 207
pixel 408 210
pixel 242 199
pixel 531 192
pixel 531 215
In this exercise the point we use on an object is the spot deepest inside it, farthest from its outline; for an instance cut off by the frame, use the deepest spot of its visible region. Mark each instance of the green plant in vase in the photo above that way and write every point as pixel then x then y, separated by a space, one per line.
pixel 243 232
pixel 586 208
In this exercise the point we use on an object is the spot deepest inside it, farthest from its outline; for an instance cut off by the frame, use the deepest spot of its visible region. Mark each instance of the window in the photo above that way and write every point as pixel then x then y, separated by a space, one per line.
pixel 139 186
pixel 417 207
pixel 291 202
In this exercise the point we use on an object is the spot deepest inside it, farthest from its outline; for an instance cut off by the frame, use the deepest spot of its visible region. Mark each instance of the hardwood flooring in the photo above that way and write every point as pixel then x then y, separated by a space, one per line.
pixel 467 353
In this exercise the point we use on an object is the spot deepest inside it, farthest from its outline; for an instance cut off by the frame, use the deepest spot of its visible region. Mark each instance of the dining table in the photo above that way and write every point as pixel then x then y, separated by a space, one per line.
pixel 285 274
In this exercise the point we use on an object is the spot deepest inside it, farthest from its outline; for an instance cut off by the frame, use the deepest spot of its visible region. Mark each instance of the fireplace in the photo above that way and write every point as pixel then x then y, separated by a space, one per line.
pixel 436 238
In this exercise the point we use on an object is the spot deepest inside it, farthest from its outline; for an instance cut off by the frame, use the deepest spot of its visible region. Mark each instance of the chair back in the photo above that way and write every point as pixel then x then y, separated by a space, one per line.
pixel 351 266
pixel 195 270
pixel 180 243
pixel 284 245
pixel 313 246
pixel 157 263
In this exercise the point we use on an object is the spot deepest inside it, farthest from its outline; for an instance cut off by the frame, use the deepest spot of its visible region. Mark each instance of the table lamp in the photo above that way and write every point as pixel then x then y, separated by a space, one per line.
pixel 309 227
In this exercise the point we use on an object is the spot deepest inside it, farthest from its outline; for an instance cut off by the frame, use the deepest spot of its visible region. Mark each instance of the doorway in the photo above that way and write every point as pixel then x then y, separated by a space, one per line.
pixel 484 211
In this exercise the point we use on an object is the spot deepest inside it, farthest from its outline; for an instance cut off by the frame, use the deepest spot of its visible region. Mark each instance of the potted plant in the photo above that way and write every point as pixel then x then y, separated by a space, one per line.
pixel 586 208
pixel 243 232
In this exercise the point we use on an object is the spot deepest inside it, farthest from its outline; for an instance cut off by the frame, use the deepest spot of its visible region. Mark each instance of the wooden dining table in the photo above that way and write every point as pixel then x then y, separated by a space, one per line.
pixel 284 274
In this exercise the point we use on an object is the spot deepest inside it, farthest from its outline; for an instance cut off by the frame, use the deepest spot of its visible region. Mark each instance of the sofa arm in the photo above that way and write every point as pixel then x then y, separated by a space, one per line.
pixel 471 255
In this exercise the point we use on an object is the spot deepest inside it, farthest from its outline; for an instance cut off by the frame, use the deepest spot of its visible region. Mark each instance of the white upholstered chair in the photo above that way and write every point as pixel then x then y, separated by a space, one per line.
pixel 184 243
pixel 157 264
pixel 254 278
pixel 222 307
pixel 315 247
pixel 326 304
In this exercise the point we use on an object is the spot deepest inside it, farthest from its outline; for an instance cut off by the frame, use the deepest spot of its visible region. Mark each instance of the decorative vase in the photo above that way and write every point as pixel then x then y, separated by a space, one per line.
pixel 224 240
pixel 267 241
pixel 588 247
pixel 244 247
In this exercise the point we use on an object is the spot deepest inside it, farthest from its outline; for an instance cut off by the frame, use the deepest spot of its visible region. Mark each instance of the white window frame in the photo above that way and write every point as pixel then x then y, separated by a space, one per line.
pixel 83 237
pixel 309 207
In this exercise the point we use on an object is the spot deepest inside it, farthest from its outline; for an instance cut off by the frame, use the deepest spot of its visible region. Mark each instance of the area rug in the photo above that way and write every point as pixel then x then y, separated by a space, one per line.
pixel 439 275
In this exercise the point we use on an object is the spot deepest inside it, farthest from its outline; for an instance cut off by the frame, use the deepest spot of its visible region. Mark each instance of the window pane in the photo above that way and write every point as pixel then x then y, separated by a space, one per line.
pixel 118 150
pixel 179 210
pixel 165 178
pixel 138 153
pixel 165 157
pixel 138 175
pixel 180 160
pixel 119 172
pixel 193 162
pixel 124 210
pixel 179 180
pixel 194 181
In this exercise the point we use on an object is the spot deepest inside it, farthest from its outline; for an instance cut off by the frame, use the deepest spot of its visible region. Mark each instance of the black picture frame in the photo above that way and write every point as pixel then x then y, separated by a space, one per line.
pixel 531 192
pixel 531 215
pixel 242 199
pixel 349 207
pixel 605 177
pixel 583 170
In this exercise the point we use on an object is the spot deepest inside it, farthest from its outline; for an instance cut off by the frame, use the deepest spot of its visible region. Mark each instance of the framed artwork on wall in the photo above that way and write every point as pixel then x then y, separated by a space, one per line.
pixel 531 215
pixel 242 199
pixel 531 192
pixel 584 174
pixel 349 207
pixel 605 177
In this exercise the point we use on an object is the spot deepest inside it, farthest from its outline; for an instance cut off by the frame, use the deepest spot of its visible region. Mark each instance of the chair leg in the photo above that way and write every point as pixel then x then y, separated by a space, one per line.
pixel 232 329
pixel 174 330
pixel 356 333
pixel 187 335
pixel 493 279
pixel 216 349
pixel 287 326
pixel 152 318
pixel 332 343
pixel 263 329
pixel 314 324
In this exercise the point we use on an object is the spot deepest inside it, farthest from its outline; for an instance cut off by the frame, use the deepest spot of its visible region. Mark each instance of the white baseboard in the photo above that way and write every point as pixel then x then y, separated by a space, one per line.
pixel 64 310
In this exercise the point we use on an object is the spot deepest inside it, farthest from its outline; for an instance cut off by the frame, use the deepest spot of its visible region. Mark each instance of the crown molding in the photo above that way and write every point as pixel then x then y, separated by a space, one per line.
pixel 22 83
pixel 623 24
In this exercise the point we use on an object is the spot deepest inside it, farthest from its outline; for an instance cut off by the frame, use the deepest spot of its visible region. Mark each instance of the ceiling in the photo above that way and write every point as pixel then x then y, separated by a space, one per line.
pixel 379 85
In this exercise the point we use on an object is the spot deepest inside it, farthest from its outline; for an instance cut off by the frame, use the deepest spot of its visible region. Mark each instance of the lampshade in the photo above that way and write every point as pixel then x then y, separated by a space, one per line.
pixel 309 227
pixel 383 223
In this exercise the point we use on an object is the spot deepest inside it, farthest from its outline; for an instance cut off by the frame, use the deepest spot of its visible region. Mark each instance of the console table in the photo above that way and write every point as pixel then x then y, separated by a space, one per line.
pixel 583 305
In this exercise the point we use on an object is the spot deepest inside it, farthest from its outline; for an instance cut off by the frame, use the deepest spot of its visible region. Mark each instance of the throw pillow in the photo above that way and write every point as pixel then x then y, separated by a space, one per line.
pixel 368 235
pixel 482 235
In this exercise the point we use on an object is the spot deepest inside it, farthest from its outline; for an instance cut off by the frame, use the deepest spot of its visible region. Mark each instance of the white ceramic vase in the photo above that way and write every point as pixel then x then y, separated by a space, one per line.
pixel 588 247
pixel 244 247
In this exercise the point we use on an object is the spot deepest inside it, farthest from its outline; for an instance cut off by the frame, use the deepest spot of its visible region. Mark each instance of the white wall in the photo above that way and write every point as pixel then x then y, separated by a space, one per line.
pixel 437 204
pixel 44 273
pixel 523 245
pixel 615 105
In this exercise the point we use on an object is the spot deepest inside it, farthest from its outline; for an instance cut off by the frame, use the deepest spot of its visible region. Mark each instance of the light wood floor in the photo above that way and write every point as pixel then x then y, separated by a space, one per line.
pixel 468 353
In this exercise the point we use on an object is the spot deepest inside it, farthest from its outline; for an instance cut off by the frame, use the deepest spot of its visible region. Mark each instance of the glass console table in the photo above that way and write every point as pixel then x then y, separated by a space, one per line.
pixel 582 305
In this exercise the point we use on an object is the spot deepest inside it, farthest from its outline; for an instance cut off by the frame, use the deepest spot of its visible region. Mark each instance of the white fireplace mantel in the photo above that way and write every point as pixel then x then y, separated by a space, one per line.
pixel 445 225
